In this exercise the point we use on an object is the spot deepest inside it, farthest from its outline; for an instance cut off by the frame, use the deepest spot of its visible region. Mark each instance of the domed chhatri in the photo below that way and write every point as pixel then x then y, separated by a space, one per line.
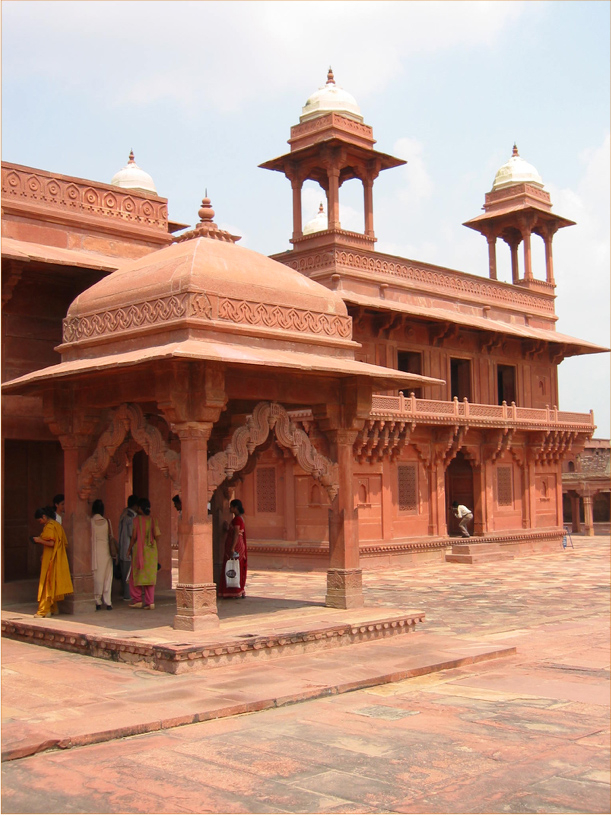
pixel 330 99
pixel 318 223
pixel 205 287
pixel 132 177
pixel 516 171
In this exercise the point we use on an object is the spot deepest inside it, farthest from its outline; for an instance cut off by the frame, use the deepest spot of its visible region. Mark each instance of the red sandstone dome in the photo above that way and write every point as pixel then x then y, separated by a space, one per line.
pixel 206 288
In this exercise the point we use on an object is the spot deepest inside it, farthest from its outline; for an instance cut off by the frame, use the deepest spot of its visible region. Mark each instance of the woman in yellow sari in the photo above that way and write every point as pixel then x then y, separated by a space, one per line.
pixel 55 581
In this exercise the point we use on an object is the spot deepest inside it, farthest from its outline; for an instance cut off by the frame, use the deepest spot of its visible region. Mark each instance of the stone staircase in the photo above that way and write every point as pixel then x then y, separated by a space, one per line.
pixel 470 551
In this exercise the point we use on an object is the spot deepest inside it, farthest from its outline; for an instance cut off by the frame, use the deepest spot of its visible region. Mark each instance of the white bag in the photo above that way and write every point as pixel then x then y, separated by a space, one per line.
pixel 232 573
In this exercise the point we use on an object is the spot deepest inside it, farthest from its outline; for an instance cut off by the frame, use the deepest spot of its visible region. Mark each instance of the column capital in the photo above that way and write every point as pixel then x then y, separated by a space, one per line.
pixel 193 430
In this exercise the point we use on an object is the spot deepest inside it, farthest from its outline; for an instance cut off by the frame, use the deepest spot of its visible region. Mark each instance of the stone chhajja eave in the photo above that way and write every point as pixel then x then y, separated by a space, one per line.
pixel 495 328
pixel 249 355
pixel 421 277
pixel 211 312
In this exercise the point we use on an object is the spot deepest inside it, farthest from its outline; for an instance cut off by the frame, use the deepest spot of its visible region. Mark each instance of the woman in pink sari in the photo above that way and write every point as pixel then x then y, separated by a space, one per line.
pixel 235 553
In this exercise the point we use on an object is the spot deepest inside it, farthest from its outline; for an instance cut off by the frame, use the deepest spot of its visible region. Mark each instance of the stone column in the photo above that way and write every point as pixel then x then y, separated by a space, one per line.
pixel 481 495
pixel 290 521
pixel 492 256
pixel 575 513
pixel 77 525
pixel 195 590
pixel 588 515
pixel 344 577
pixel 515 266
pixel 368 196
pixel 333 198
pixel 528 272
pixel 549 261
pixel 297 184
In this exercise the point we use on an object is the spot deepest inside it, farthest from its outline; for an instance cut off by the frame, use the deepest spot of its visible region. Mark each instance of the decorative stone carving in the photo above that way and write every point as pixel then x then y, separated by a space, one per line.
pixel 288 319
pixel 267 416
pixel 60 194
pixel 128 418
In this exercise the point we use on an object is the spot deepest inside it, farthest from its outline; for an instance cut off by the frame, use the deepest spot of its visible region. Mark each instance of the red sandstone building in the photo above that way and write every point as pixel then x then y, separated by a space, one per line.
pixel 348 397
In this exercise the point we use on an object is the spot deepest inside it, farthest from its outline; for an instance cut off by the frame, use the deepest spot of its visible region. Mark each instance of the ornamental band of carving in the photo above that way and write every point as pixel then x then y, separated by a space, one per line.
pixel 70 196
pixel 434 279
pixel 267 416
pixel 199 305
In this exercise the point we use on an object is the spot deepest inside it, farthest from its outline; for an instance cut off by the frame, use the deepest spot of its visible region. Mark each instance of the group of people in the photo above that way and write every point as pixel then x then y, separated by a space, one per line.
pixel 132 556
pixel 135 555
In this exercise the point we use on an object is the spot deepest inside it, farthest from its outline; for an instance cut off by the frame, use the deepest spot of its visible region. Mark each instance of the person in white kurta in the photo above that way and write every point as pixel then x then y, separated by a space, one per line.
pixel 101 560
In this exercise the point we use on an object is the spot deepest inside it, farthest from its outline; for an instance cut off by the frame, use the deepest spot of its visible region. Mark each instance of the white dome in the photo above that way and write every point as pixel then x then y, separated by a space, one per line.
pixel 318 222
pixel 516 171
pixel 132 177
pixel 330 98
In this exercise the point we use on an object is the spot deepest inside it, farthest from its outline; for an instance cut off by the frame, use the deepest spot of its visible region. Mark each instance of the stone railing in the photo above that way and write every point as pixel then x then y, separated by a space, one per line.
pixel 431 411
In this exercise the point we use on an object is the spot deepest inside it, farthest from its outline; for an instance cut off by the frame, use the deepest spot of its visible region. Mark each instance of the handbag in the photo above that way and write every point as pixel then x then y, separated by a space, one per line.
pixel 116 570
pixel 232 573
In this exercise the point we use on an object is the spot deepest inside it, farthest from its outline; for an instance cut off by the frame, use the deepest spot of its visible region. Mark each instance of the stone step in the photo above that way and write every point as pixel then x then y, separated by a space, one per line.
pixel 475 548
pixel 478 558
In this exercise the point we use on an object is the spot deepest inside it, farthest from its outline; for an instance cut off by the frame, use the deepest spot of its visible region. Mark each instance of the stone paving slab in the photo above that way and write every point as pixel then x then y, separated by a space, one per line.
pixel 48 704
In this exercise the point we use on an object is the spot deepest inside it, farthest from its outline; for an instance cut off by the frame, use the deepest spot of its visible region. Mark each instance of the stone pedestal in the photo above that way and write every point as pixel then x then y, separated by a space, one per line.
pixel 196 607
pixel 344 588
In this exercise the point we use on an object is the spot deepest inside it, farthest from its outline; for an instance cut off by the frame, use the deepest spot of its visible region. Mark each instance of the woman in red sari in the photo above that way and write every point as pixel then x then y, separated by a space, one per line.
pixel 235 545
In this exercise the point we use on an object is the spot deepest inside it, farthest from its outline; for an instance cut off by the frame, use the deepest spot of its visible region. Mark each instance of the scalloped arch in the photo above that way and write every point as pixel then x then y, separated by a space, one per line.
pixel 127 418
pixel 265 417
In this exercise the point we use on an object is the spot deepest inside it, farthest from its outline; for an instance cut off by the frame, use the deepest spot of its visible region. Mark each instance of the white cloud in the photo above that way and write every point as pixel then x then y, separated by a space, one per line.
pixel 229 54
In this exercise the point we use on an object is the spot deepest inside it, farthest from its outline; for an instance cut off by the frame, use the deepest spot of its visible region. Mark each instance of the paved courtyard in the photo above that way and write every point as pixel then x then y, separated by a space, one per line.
pixel 526 733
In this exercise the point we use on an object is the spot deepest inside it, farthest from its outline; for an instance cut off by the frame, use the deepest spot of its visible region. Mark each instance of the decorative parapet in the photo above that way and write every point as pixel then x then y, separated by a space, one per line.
pixel 201 306
pixel 25 187
pixel 430 411
pixel 425 278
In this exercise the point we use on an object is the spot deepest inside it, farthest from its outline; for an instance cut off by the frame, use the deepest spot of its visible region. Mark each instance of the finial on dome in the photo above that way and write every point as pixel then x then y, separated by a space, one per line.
pixel 330 77
pixel 514 152
pixel 132 160
pixel 320 208
pixel 206 213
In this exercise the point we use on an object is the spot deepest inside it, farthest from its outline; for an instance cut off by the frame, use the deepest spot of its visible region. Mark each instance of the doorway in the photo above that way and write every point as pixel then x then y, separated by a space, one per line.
pixel 459 487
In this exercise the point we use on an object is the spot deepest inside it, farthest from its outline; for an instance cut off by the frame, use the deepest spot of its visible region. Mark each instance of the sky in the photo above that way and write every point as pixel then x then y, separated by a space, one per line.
pixel 205 91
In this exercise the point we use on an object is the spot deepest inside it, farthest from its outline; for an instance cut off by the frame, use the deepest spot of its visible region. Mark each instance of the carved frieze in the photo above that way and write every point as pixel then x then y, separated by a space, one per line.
pixel 199 305
pixel 69 195
pixel 430 278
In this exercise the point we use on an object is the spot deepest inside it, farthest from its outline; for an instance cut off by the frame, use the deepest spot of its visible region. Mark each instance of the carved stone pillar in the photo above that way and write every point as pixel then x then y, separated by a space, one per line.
pixel 344 577
pixel 297 184
pixel 549 261
pixel 528 275
pixel 77 524
pixel 588 515
pixel 195 590
pixel 333 198
pixel 368 202
pixel 575 512
pixel 515 265
pixel 290 520
pixel 492 256
pixel 482 492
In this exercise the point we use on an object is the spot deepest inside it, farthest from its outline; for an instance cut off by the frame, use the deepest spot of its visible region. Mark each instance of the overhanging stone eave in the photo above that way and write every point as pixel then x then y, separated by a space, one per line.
pixel 228 354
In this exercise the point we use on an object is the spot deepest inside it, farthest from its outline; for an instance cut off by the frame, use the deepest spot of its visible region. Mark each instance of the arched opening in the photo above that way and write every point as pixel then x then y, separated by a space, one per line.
pixel 459 487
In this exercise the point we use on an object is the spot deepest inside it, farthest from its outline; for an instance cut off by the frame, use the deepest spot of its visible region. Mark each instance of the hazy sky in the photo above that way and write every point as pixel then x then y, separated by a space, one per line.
pixel 205 91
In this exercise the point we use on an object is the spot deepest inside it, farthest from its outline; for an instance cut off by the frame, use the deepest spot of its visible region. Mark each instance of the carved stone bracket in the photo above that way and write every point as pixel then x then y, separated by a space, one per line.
pixel 265 417
pixel 501 443
pixel 550 446
pixel 380 438
pixel 127 418
pixel 11 275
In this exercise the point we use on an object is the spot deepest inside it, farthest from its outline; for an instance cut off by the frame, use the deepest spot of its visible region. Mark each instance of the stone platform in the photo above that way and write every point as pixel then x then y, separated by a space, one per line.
pixel 473 551
pixel 252 628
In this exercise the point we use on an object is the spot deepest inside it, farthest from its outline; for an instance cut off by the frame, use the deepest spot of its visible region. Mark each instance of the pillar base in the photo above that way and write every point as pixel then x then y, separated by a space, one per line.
pixel 344 588
pixel 77 604
pixel 196 606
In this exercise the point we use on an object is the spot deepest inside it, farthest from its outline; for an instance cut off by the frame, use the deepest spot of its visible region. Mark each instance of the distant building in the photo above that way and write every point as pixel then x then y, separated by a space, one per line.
pixel 586 486
pixel 346 396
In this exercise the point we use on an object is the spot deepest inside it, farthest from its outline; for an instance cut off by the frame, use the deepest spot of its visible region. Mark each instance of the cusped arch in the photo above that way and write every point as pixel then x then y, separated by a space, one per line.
pixel 127 418
pixel 265 417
